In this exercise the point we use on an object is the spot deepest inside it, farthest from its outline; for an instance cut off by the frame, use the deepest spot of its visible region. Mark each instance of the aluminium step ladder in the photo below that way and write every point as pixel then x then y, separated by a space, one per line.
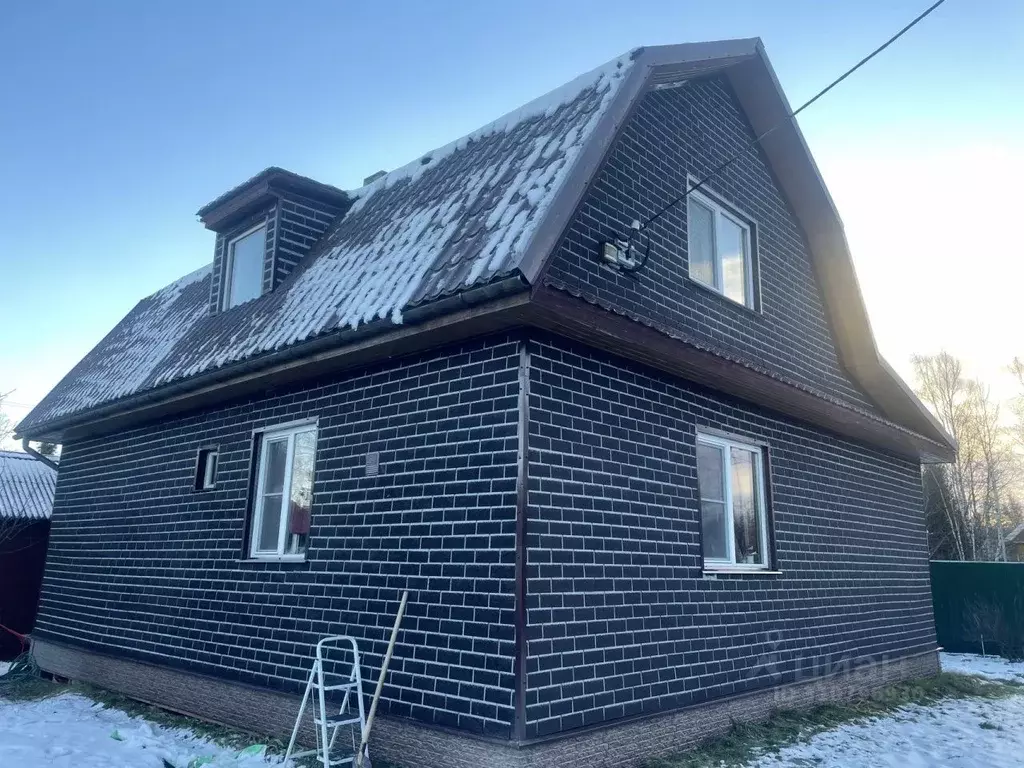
pixel 351 713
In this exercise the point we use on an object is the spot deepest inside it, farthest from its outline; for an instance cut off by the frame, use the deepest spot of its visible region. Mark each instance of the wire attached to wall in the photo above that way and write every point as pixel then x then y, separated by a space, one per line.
pixel 638 228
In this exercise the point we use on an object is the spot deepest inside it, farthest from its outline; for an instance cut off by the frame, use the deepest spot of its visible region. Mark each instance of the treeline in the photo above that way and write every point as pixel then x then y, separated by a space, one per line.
pixel 975 503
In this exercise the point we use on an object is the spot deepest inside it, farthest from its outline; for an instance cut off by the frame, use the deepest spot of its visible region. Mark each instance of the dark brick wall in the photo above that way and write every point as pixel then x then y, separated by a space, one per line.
pixel 691 130
pixel 622 621
pixel 294 225
pixel 300 224
pixel 141 565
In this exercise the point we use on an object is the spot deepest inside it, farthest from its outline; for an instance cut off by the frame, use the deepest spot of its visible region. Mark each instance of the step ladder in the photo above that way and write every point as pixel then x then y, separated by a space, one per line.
pixel 351 713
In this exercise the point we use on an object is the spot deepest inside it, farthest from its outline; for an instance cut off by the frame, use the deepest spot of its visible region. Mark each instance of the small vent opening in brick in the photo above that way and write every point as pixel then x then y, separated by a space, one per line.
pixel 372 463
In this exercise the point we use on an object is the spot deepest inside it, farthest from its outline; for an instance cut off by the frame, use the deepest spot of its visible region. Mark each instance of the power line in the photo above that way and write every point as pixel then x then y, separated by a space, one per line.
pixel 759 138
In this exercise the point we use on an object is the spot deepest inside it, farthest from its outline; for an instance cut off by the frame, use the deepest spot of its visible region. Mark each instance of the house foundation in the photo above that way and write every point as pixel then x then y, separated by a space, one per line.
pixel 414 745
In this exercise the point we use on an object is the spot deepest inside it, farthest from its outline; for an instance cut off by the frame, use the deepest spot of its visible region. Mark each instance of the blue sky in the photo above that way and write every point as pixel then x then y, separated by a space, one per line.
pixel 120 120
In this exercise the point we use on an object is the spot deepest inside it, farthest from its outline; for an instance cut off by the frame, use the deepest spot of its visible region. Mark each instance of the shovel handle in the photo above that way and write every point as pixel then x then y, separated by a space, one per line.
pixel 380 680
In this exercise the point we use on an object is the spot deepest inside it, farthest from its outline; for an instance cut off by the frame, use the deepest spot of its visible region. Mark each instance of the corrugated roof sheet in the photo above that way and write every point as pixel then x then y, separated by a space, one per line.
pixel 26 487
pixel 457 217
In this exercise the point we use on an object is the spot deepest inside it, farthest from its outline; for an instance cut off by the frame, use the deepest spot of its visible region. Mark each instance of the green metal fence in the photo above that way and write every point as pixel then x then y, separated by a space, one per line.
pixel 979 607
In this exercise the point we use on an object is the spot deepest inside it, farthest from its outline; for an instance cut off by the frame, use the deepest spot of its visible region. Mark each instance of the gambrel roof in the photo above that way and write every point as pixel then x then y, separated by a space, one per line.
pixel 26 487
pixel 455 243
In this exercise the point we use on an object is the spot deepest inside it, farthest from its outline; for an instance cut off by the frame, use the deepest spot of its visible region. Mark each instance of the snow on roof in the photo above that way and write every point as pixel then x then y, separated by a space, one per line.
pixel 459 216
pixel 26 486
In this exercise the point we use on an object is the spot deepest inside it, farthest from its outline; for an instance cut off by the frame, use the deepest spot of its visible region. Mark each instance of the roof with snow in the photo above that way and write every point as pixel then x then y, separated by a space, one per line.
pixel 457 217
pixel 26 487
pixel 479 218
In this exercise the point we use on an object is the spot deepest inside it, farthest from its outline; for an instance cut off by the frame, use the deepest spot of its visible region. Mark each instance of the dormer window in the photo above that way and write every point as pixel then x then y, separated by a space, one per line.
pixel 265 227
pixel 243 273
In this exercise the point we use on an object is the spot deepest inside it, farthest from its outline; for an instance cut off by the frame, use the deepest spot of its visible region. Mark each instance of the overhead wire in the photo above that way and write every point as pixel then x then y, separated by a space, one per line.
pixel 639 229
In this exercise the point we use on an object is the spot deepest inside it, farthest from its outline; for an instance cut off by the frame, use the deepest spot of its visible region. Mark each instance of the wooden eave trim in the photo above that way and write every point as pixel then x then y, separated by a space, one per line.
pixel 215 219
pixel 481 320
pixel 576 318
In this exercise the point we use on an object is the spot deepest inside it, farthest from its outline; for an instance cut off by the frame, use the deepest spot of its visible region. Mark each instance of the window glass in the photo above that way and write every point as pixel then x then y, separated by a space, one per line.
pixel 206 469
pixel 301 494
pixel 701 225
pixel 719 249
pixel 734 523
pixel 284 492
pixel 710 475
pixel 746 515
pixel 245 267
pixel 272 495
pixel 732 245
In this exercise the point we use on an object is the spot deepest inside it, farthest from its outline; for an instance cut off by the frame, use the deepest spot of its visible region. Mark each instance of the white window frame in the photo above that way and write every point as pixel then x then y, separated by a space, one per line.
pixel 290 431
pixel 727 444
pixel 229 262
pixel 209 479
pixel 718 212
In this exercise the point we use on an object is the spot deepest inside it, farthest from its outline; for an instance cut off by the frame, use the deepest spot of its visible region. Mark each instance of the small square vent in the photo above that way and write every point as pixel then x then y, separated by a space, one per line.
pixel 372 463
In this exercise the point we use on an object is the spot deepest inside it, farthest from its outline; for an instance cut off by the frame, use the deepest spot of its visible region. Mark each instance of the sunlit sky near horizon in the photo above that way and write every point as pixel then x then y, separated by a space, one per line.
pixel 120 120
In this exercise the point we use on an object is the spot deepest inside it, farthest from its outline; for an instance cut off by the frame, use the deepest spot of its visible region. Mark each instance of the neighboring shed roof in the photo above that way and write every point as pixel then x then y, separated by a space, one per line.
pixel 1016 536
pixel 459 216
pixel 26 487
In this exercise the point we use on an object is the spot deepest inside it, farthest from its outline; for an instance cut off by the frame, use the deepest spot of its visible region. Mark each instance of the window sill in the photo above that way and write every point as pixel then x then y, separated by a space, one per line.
pixel 718 294
pixel 276 559
pixel 711 572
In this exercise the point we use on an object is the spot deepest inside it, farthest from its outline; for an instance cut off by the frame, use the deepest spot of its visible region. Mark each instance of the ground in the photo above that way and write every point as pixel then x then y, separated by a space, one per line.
pixel 71 729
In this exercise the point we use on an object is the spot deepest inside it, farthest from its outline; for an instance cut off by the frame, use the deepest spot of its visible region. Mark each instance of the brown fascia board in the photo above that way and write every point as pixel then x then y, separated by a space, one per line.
pixel 328 355
pixel 218 213
pixel 547 309
pixel 573 317
pixel 761 96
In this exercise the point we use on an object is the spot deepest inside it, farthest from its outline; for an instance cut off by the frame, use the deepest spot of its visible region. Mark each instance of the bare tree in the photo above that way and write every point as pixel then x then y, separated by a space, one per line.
pixel 987 468
pixel 6 425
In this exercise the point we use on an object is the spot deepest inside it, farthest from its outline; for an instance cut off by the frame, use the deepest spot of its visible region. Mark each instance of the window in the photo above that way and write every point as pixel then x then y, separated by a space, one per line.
pixel 243 275
pixel 206 469
pixel 284 492
pixel 719 249
pixel 734 520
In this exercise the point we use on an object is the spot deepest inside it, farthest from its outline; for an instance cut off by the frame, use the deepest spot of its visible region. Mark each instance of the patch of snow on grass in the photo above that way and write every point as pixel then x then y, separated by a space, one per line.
pixel 70 731
pixel 991 667
pixel 4 666
pixel 986 733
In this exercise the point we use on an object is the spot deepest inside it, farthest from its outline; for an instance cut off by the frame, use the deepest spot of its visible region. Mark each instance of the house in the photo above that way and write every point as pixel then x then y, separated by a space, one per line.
pixel 26 498
pixel 636 491
pixel 1015 545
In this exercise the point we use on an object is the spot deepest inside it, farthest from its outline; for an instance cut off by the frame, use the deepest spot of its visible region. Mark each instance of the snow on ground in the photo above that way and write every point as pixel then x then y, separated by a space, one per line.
pixel 992 667
pixel 4 666
pixel 71 731
pixel 965 733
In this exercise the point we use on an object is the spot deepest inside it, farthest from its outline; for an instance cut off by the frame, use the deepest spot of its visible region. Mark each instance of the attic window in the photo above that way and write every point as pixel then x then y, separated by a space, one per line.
pixel 243 273
pixel 719 249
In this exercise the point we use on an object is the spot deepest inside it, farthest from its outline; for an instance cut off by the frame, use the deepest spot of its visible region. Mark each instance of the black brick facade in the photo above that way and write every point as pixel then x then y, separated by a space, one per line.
pixel 692 130
pixel 621 620
pixel 142 565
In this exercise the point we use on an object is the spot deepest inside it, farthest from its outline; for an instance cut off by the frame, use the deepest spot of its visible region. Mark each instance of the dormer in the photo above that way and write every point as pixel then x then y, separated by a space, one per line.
pixel 264 227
